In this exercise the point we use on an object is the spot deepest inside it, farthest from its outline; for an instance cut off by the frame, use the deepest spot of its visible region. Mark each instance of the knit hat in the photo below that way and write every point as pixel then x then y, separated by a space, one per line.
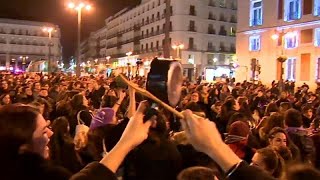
pixel 103 117
pixel 239 128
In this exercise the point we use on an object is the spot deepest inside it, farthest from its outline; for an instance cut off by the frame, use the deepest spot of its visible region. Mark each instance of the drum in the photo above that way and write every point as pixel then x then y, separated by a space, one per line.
pixel 165 80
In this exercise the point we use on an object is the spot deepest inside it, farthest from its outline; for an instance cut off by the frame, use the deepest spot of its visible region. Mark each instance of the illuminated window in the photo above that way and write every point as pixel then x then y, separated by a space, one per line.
pixel 317 37
pixel 291 69
pixel 316 7
pixel 318 70
pixel 292 10
pixel 256 13
pixel 254 43
pixel 291 40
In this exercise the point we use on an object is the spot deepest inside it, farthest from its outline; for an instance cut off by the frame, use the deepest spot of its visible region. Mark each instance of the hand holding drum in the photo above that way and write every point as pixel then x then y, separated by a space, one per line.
pixel 164 84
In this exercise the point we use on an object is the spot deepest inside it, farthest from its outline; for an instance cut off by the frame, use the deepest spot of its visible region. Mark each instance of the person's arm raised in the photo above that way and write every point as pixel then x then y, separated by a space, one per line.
pixel 205 138
pixel 134 134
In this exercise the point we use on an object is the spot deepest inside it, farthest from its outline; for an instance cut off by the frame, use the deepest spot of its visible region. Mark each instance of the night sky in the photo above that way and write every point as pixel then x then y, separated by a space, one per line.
pixel 55 11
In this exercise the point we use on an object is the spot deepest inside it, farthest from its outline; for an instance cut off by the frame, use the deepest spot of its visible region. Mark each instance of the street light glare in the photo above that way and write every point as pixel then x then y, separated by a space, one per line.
pixel 174 46
pixel 81 5
pixel 71 5
pixel 88 7
pixel 275 36
pixel 181 46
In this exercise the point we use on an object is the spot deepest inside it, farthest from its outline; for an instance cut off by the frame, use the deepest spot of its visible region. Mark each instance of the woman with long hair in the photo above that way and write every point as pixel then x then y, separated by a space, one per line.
pixel 229 107
pixel 62 150
pixel 79 112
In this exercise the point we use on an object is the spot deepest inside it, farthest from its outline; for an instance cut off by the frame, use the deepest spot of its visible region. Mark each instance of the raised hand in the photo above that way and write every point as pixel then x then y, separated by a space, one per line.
pixel 201 132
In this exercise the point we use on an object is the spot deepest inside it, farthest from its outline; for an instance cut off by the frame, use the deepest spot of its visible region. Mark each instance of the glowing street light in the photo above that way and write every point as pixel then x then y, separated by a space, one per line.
pixel 49 30
pixel 178 48
pixel 275 36
pixel 78 7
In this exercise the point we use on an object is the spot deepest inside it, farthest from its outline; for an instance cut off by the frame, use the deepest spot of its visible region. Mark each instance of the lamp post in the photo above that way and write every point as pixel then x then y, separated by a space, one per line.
pixel 79 6
pixel 24 59
pixel 178 47
pixel 282 57
pixel 49 31
pixel 128 63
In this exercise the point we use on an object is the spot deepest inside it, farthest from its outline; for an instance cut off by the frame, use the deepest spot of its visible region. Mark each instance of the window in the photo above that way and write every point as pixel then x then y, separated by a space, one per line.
pixel 254 43
pixel 192 10
pixel 192 26
pixel 291 69
pixel 157 44
pixel 291 40
pixel 316 7
pixel 158 28
pixel 151 47
pixel 141 46
pixel 233 31
pixel 292 10
pixel 222 3
pixel 318 70
pixel 211 29
pixel 306 36
pixel 256 13
pixel 317 37
pixel 191 41
pixel 147 47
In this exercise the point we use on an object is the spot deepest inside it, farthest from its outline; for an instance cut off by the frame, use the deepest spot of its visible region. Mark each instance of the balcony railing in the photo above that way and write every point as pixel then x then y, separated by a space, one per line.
pixel 256 22
pixel 192 29
pixel 212 48
pixel 212 17
pixel 211 31
pixel 223 32
pixel 192 13
pixel 212 4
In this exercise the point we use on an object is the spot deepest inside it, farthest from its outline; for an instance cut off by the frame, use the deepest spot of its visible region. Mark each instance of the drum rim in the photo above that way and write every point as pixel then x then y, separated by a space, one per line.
pixel 173 66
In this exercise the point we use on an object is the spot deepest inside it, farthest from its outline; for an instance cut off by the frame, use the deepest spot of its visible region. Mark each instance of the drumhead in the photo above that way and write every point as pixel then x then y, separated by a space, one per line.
pixel 174 83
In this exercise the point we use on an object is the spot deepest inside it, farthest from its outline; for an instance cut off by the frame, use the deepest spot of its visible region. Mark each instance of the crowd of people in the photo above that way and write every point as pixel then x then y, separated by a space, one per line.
pixel 61 127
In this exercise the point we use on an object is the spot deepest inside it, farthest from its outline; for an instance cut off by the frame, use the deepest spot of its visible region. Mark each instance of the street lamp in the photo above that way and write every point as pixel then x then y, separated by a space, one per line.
pixel 128 63
pixel 49 31
pixel 24 59
pixel 178 47
pixel 79 6
pixel 282 57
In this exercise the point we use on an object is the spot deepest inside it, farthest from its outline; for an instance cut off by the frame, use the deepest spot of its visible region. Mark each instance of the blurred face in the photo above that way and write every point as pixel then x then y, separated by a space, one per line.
pixel 312 98
pixel 257 160
pixel 111 93
pixel 46 87
pixel 37 86
pixel 278 140
pixel 194 97
pixel 309 114
pixel 43 93
pixel 260 94
pixel 6 99
pixel 28 91
pixel 236 106
pixel 284 95
pixel 4 85
pixel 205 89
pixel 41 137
pixel 85 101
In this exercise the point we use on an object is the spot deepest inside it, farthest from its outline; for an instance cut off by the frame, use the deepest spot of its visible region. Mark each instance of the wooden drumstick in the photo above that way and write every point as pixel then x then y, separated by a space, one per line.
pixel 151 96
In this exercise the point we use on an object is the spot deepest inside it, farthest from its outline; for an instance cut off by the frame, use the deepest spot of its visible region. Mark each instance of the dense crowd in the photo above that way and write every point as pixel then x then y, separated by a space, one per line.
pixel 61 127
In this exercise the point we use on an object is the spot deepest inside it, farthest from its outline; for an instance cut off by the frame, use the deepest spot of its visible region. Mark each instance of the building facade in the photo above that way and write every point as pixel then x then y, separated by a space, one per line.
pixel 269 29
pixel 22 42
pixel 202 32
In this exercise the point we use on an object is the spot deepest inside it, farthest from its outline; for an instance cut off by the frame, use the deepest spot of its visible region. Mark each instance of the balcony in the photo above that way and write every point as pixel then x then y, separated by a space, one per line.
pixel 222 18
pixel 192 13
pixel 211 31
pixel 233 19
pixel 222 49
pixel 232 49
pixel 192 47
pixel 192 29
pixel 212 4
pixel 212 17
pixel 256 22
pixel 223 33
pixel 211 48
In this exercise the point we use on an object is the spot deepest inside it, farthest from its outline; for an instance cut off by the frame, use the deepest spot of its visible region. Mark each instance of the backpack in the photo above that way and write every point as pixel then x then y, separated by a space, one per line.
pixel 80 138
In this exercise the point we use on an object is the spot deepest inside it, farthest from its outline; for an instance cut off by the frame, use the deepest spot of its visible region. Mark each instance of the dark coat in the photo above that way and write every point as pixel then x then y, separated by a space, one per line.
pixel 32 166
